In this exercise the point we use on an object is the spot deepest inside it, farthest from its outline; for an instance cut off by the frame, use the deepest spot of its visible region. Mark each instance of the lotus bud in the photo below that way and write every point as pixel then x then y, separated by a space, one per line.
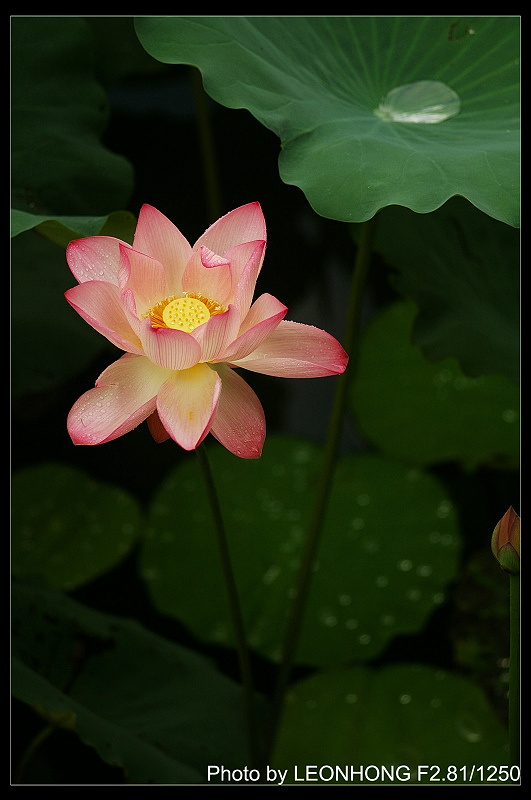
pixel 506 542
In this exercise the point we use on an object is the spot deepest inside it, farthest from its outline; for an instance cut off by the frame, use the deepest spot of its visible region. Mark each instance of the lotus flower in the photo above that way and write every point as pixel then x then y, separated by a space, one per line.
pixel 185 318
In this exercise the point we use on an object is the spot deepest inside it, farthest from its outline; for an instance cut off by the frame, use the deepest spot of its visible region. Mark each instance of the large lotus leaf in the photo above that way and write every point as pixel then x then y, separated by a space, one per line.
pixel 59 112
pixel 388 551
pixel 67 527
pixel 426 413
pixel 156 709
pixel 462 269
pixel 323 85
pixel 400 726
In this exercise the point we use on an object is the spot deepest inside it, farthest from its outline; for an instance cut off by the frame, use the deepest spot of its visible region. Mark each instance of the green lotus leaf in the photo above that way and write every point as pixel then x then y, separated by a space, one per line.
pixel 462 269
pixel 370 111
pixel 158 710
pixel 388 550
pixel 406 724
pixel 67 527
pixel 59 112
pixel 424 413
pixel 62 230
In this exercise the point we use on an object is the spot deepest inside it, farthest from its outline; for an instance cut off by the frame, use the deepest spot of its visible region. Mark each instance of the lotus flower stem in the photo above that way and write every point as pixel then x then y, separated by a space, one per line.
pixel 236 614
pixel 505 544
pixel 514 668
pixel 207 145
pixel 350 344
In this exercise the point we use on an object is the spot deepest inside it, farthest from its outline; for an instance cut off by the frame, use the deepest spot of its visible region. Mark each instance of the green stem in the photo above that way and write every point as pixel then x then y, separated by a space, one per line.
pixel 514 669
pixel 207 146
pixel 350 343
pixel 34 745
pixel 237 618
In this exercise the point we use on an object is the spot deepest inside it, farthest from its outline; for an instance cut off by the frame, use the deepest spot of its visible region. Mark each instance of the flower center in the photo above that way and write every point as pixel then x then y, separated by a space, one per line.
pixel 184 313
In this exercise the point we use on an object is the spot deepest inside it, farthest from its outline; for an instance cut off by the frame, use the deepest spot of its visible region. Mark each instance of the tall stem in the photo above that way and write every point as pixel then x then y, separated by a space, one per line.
pixel 350 343
pixel 208 154
pixel 514 669
pixel 253 730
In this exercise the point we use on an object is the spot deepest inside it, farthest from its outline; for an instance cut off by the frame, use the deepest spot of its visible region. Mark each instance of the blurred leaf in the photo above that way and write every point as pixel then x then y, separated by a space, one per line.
pixel 462 268
pixel 400 717
pixel 425 413
pixel 67 527
pixel 158 710
pixel 71 227
pixel 59 113
pixel 388 550
pixel 318 83
pixel 50 342
pixel 62 230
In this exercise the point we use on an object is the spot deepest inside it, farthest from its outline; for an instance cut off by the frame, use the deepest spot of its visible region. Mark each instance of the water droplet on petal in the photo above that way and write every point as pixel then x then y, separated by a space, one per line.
pixel 424 102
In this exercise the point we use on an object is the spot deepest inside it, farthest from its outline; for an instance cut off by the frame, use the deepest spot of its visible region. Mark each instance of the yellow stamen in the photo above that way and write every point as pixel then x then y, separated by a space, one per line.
pixel 184 313
pixel 156 313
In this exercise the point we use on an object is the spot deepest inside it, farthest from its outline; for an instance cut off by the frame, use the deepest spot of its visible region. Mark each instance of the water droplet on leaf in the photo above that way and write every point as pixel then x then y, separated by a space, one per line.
pixel 422 102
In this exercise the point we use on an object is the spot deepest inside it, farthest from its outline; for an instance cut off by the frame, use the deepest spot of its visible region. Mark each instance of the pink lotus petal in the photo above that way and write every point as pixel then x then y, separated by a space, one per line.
pixel 135 374
pixel 143 276
pixel 264 316
pixel 244 224
pixel 159 238
pixel 95 258
pixel 131 313
pixel 157 429
pixel 245 265
pixel 217 333
pixel 264 308
pixel 294 350
pixel 209 275
pixel 169 348
pixel 187 402
pixel 239 423
pixel 124 396
pixel 100 305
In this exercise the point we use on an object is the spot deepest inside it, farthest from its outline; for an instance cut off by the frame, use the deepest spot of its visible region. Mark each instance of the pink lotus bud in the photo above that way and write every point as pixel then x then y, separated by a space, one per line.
pixel 506 542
